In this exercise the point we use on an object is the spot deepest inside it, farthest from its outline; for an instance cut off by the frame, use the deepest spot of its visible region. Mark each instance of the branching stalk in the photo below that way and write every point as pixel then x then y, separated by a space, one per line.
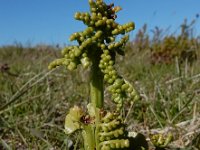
pixel 97 47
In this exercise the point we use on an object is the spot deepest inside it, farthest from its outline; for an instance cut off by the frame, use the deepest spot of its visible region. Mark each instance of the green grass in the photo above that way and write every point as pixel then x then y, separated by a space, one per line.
pixel 34 100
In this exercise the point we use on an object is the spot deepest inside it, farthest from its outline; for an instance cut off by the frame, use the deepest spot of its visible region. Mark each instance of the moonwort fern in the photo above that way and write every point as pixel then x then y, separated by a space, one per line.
pixel 96 48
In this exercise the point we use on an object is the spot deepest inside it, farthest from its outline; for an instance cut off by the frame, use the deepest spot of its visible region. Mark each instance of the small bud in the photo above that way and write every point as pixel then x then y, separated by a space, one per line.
pixel 77 51
pixel 99 23
pixel 77 15
pixel 125 87
pixel 98 34
pixel 71 66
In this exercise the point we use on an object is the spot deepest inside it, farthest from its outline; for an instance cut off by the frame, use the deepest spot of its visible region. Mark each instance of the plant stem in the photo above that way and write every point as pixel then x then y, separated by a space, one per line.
pixel 88 136
pixel 96 86
pixel 96 97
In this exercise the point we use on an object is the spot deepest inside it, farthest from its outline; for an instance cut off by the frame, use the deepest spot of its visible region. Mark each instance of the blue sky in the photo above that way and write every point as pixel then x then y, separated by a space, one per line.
pixel 51 21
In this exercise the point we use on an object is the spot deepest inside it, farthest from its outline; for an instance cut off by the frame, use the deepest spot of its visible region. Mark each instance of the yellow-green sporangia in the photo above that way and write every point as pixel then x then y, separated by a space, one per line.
pixel 96 49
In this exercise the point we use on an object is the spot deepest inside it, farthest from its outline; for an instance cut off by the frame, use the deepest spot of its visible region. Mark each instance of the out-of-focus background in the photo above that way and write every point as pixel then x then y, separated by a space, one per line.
pixel 162 60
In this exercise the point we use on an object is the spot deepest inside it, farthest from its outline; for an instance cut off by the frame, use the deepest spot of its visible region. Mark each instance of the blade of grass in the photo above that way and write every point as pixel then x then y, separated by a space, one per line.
pixel 182 109
pixel 22 137
pixel 19 104
pixel 5 145
pixel 20 92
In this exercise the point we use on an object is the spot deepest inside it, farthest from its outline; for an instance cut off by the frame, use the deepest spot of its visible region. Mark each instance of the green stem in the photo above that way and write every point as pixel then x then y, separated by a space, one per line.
pixel 97 122
pixel 88 136
pixel 96 86
pixel 96 97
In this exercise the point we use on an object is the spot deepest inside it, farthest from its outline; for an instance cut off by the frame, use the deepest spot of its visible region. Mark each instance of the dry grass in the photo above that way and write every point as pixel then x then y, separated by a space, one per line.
pixel 34 101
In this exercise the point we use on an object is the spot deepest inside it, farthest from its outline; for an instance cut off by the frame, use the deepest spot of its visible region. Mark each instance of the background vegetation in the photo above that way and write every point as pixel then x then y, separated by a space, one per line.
pixel 164 68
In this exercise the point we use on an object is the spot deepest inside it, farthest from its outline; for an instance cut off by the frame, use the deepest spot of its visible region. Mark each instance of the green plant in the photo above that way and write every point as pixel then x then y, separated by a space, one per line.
pixel 97 47
pixel 36 100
